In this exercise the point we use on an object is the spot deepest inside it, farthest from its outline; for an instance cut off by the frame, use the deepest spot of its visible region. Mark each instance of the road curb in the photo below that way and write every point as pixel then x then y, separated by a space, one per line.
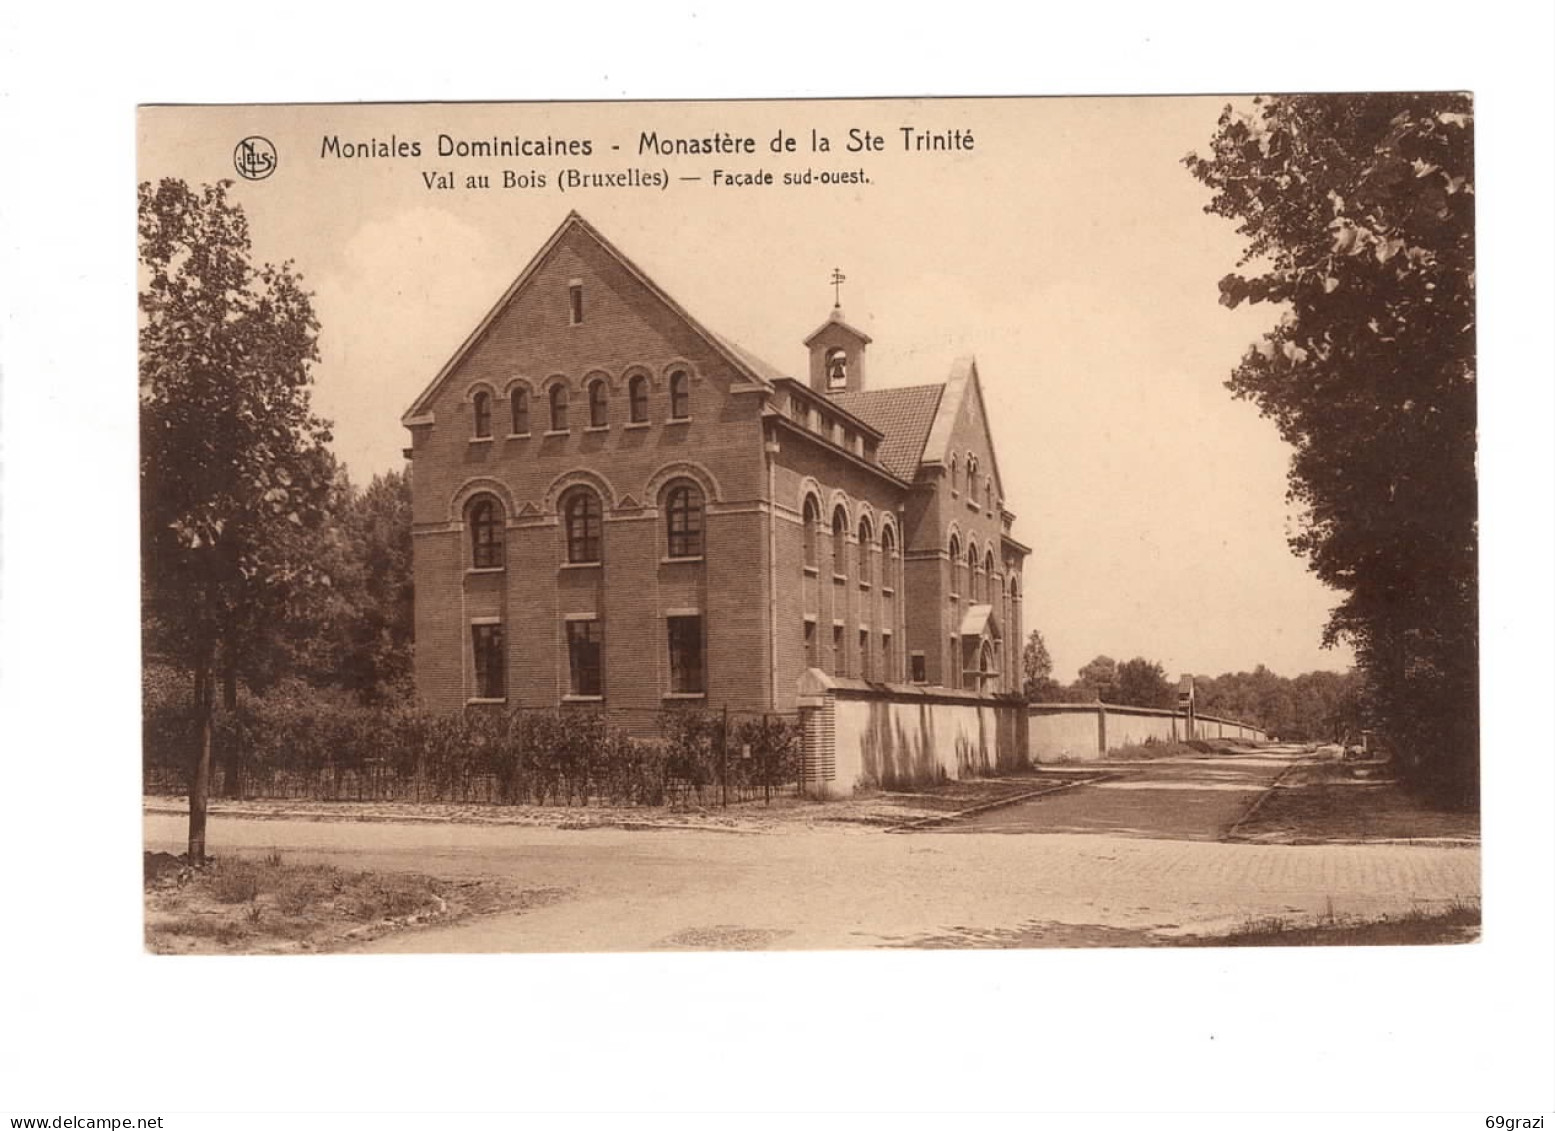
pixel 943 818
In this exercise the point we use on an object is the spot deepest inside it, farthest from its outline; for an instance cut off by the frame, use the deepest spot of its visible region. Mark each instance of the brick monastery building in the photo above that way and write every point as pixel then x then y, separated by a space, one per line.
pixel 615 505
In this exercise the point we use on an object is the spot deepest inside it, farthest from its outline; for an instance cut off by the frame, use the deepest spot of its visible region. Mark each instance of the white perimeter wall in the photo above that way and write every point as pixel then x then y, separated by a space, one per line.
pixel 887 741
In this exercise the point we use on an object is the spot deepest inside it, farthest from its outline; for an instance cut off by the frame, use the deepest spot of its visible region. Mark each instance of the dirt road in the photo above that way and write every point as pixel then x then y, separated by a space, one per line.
pixel 845 888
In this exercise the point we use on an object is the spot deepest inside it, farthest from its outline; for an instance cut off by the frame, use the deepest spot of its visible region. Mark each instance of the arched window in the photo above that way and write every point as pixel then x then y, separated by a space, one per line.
pixel 887 557
pixel 638 393
pixel 558 396
pixel 839 542
pixel 971 570
pixel 482 401
pixel 812 523
pixel 485 533
pixel 680 395
pixel 599 404
pixel 836 368
pixel 866 563
pixel 683 509
pixel 988 493
pixel 583 527
pixel 518 403
pixel 988 574
pixel 955 565
pixel 971 477
pixel 955 474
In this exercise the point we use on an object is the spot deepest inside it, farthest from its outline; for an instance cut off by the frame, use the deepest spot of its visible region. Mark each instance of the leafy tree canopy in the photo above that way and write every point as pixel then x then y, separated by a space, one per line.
pixel 1358 213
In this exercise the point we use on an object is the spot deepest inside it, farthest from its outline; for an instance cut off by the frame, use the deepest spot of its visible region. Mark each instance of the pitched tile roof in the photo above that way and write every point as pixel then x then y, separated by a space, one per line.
pixel 904 416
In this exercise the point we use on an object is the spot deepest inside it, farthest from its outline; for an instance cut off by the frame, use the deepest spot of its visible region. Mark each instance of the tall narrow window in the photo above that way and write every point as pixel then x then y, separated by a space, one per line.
pixel 685 639
pixel 584 656
pixel 680 395
pixel 955 662
pixel 638 390
pixel 810 658
pixel 865 668
pixel 575 302
pixel 583 527
pixel 866 556
pixel 485 534
pixel 971 571
pixel 920 668
pixel 839 543
pixel 887 660
pixel 599 405
pixel 558 407
pixel 518 404
pixel 482 402
pixel 683 507
pixel 812 522
pixel 887 559
pixel 988 576
pixel 955 475
pixel 490 668
pixel 955 565
pixel 839 661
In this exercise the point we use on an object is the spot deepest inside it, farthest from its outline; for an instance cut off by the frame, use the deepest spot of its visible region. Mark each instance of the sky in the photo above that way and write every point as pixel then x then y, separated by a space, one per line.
pixel 1067 249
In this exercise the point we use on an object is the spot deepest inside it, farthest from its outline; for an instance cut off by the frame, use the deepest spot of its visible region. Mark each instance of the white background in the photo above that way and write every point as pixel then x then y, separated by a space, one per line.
pixel 88 1023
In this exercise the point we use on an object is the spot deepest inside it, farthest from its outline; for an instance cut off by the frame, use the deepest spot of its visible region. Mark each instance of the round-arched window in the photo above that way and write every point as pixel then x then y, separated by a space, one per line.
pixel 683 519
pixel 582 515
pixel 485 523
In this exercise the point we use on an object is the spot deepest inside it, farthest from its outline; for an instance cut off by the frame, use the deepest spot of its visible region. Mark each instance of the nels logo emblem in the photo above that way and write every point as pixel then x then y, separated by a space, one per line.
pixel 254 158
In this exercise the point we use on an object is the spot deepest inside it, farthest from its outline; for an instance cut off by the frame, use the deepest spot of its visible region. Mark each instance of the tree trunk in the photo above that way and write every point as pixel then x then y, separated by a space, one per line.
pixel 200 780
pixel 232 755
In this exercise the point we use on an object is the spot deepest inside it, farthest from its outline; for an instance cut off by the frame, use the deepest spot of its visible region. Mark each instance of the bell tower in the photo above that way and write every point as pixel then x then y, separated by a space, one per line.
pixel 837 350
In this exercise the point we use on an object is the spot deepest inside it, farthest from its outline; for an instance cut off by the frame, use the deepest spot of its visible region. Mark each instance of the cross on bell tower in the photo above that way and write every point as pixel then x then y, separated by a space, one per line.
pixel 837 349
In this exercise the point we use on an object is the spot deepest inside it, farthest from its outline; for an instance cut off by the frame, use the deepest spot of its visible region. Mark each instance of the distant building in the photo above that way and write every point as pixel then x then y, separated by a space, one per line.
pixel 615 505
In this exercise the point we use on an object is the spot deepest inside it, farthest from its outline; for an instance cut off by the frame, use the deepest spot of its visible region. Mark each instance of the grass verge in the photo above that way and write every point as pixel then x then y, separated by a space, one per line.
pixel 247 905
pixel 1459 923
pixel 1333 801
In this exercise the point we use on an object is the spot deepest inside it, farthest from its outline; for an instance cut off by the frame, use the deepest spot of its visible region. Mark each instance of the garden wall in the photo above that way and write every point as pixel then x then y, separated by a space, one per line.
pixel 863 735
pixel 1080 732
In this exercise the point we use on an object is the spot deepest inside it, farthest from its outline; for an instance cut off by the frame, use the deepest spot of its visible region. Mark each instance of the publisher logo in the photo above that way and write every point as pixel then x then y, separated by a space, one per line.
pixel 254 158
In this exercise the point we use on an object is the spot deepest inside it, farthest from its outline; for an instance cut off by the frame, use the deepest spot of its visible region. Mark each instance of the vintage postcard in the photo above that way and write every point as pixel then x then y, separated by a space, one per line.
pixel 1006 522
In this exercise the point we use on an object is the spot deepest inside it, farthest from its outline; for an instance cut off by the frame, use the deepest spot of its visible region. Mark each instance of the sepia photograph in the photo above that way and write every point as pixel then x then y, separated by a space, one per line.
pixel 844 524
pixel 725 566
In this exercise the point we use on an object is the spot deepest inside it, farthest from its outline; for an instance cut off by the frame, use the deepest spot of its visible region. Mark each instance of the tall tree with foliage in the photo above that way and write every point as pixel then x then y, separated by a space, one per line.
pixel 1359 218
pixel 1097 681
pixel 1038 684
pixel 1142 683
pixel 234 468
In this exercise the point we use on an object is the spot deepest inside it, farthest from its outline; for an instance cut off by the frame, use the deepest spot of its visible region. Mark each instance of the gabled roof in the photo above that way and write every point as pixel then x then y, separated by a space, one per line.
pixel 744 362
pixel 902 416
pixel 836 319
pixel 963 381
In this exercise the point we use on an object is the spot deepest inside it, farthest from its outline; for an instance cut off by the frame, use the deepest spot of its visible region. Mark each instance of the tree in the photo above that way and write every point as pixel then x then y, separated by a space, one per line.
pixel 234 468
pixel 1359 217
pixel 377 525
pixel 1098 680
pixel 1039 684
pixel 1142 683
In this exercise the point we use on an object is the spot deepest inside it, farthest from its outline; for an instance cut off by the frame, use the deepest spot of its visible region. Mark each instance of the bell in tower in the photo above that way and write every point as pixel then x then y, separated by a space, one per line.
pixel 837 351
